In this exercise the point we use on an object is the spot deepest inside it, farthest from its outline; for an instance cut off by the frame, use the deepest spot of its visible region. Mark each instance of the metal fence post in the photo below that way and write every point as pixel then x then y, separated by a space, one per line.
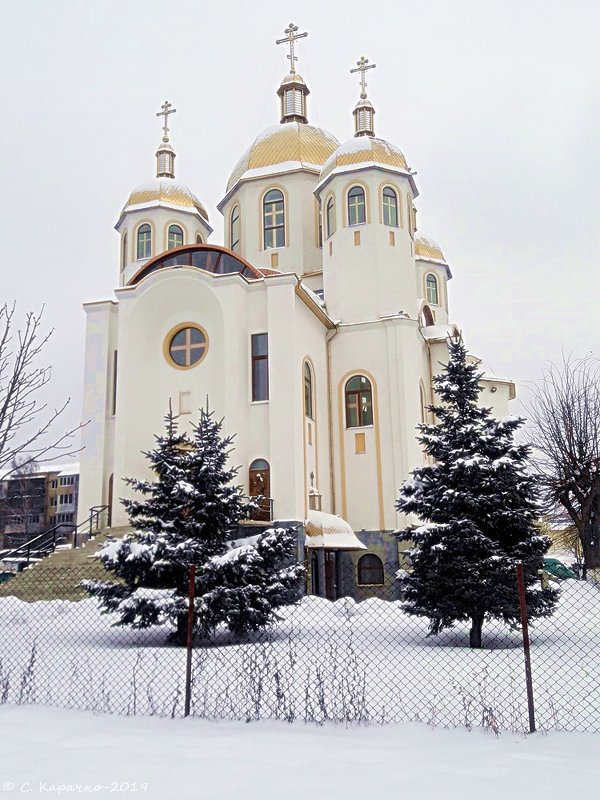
pixel 526 650
pixel 190 638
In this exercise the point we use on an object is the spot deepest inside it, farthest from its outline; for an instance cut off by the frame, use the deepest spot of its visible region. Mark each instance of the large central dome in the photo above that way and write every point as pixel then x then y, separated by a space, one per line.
pixel 284 148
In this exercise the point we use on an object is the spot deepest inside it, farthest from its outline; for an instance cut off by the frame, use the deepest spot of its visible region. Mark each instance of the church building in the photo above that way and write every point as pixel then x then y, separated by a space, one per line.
pixel 315 332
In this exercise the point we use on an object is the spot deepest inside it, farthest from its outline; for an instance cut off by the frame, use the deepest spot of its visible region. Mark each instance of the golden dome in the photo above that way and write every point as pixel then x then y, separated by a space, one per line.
pixel 365 151
pixel 428 250
pixel 284 148
pixel 164 192
pixel 293 77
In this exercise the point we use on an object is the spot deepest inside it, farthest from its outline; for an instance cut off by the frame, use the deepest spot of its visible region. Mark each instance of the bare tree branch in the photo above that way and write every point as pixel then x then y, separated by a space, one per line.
pixel 565 413
pixel 26 424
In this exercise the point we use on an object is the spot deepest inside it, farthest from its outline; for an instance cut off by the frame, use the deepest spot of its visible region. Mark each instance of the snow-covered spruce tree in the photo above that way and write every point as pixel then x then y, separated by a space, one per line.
pixel 478 505
pixel 186 516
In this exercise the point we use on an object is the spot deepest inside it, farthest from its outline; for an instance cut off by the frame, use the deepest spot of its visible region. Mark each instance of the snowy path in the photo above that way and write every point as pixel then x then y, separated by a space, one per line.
pixel 201 760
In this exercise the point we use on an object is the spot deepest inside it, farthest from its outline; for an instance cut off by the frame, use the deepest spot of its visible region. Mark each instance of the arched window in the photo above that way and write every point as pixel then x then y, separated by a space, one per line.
pixel 259 485
pixel 175 237
pixel 234 229
pixel 370 570
pixel 432 289
pixel 357 213
pixel 273 219
pixel 124 250
pixel 144 241
pixel 427 317
pixel 330 218
pixel 390 207
pixel 359 402
pixel 308 391
pixel 198 239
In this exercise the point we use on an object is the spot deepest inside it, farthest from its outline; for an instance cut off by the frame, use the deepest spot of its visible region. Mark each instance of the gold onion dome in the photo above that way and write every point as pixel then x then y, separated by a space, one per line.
pixel 428 250
pixel 288 147
pixel 167 193
pixel 365 151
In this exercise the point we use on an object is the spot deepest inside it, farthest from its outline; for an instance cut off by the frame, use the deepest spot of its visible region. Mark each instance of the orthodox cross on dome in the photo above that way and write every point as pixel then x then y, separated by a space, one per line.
pixel 164 112
pixel 362 66
pixel 291 36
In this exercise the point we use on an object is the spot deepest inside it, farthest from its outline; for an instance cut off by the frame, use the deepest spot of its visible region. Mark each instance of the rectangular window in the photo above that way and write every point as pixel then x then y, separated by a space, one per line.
pixel 260 366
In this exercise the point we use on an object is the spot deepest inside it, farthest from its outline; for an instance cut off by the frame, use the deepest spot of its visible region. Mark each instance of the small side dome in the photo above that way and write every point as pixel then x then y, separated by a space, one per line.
pixel 428 250
pixel 164 192
pixel 284 148
pixel 365 151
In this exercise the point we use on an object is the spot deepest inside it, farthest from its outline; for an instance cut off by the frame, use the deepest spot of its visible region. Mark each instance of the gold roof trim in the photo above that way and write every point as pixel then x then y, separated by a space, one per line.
pixel 292 141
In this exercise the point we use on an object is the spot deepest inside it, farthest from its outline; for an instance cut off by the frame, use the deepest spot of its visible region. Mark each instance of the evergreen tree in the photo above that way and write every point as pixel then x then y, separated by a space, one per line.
pixel 478 504
pixel 186 516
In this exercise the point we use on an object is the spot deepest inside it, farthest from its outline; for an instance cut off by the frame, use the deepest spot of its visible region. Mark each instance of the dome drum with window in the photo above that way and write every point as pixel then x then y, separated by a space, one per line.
pixel 274 219
pixel 144 242
pixel 174 237
pixel 329 218
pixel 357 208
pixel 431 284
pixel 359 402
pixel 390 207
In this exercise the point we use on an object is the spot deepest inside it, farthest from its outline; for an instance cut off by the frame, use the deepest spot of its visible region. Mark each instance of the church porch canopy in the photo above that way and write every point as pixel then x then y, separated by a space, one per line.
pixel 330 532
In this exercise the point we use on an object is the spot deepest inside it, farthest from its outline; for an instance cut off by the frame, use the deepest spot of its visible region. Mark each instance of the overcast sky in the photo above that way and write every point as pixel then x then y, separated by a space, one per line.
pixel 496 104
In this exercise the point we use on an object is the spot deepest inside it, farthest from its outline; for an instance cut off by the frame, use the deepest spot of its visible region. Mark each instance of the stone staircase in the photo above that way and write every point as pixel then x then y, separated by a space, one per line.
pixel 57 576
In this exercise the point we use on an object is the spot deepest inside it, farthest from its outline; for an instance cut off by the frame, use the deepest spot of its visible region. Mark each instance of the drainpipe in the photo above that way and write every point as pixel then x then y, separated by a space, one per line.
pixel 328 337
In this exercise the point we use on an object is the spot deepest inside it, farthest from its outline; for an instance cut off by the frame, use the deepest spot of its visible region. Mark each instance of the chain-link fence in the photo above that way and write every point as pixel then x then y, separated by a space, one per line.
pixel 355 659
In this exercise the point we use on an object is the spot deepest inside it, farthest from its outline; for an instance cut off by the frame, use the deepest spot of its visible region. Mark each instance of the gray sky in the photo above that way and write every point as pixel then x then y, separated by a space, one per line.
pixel 495 104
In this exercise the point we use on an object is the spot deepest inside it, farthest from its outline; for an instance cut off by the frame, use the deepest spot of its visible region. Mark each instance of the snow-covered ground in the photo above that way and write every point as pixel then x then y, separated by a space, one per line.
pixel 49 752
pixel 323 662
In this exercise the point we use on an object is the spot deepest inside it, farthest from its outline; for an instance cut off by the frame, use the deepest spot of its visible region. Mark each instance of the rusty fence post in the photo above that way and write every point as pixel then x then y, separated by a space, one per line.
pixel 526 650
pixel 190 638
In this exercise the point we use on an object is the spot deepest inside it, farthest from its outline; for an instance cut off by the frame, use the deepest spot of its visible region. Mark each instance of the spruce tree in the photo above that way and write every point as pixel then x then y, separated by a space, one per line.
pixel 477 502
pixel 187 515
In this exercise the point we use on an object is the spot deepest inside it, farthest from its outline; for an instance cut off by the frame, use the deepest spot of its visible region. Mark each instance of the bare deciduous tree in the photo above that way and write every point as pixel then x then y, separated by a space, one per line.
pixel 565 413
pixel 26 423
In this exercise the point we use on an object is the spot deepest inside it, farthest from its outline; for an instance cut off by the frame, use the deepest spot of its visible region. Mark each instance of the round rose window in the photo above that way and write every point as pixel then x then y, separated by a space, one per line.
pixel 187 346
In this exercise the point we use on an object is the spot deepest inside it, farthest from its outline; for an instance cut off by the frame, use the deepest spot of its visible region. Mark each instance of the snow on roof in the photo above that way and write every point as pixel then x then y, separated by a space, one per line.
pixel 330 532
pixel 71 468
pixel 437 331
pixel 314 296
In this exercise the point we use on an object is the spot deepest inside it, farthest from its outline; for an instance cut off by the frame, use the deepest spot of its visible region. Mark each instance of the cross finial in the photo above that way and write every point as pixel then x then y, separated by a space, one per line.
pixel 291 36
pixel 362 66
pixel 164 112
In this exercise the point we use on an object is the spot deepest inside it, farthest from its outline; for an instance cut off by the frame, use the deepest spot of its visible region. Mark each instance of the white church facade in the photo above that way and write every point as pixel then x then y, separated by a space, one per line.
pixel 315 332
